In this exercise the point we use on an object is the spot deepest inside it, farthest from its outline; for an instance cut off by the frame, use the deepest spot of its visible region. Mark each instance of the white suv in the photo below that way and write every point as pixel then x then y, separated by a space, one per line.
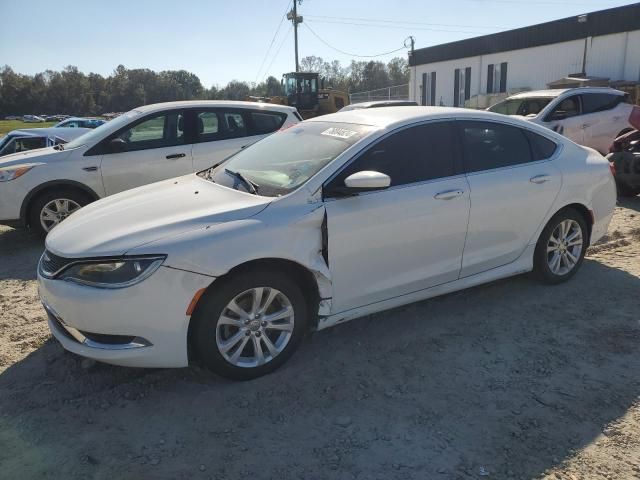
pixel 39 189
pixel 590 116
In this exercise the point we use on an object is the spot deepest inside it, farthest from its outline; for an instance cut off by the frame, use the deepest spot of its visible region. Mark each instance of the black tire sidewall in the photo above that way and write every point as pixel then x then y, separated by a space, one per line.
pixel 210 307
pixel 41 200
pixel 541 266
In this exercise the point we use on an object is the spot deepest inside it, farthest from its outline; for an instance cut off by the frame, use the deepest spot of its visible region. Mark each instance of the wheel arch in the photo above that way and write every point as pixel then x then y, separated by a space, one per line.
pixel 48 186
pixel 303 276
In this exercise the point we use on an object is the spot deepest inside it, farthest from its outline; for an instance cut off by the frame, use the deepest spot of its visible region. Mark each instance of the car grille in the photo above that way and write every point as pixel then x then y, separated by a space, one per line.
pixel 51 264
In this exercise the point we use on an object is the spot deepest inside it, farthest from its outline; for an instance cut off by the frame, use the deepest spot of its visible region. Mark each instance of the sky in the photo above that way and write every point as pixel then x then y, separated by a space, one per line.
pixel 247 39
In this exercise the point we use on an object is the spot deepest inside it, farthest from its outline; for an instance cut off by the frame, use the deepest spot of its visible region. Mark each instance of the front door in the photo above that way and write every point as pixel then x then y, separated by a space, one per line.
pixel 387 243
pixel 155 149
pixel 565 118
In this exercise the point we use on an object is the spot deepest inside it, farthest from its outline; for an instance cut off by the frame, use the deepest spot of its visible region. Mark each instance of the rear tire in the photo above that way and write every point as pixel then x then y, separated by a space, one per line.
pixel 561 247
pixel 232 332
pixel 50 208
pixel 626 191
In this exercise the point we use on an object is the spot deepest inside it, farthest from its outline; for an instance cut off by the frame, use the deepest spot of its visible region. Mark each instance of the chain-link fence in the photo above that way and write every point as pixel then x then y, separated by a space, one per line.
pixel 396 92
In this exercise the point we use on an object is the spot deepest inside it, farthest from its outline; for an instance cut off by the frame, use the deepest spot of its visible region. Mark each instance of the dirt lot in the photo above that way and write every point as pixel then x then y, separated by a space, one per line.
pixel 508 380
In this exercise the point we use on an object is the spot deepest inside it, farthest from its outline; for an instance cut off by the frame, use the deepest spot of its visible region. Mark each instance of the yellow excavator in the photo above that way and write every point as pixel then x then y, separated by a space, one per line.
pixel 306 92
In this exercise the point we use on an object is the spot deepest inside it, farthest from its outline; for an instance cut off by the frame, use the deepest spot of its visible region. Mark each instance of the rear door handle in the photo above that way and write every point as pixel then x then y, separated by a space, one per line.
pixel 540 179
pixel 586 125
pixel 176 155
pixel 448 194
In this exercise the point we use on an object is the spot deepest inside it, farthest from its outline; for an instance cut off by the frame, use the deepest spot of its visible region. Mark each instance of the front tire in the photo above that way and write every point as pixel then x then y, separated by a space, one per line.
pixel 250 324
pixel 561 247
pixel 51 208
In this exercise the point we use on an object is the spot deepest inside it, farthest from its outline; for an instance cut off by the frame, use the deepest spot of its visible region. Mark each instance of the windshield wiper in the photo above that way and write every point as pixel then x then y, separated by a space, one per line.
pixel 251 186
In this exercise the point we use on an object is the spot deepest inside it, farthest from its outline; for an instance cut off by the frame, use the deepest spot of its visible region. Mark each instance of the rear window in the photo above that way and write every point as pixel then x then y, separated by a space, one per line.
pixel 266 122
pixel 520 106
pixel 541 148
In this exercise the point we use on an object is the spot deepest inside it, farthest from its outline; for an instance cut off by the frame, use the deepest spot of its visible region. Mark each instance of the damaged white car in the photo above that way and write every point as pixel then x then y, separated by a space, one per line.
pixel 331 219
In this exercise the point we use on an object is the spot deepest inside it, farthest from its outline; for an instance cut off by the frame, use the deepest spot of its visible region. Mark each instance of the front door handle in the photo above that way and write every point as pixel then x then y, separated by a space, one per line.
pixel 585 125
pixel 540 179
pixel 175 155
pixel 448 194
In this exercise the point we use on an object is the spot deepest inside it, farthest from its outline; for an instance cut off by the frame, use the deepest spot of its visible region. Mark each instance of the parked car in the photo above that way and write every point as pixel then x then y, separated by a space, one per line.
pixel 590 116
pixel 26 139
pixel 76 122
pixel 337 217
pixel 13 117
pixel 32 119
pixel 145 145
pixel 625 158
pixel 378 104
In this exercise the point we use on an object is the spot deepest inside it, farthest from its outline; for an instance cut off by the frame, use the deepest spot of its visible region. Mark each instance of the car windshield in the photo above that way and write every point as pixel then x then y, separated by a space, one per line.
pixel 100 132
pixel 286 159
pixel 521 106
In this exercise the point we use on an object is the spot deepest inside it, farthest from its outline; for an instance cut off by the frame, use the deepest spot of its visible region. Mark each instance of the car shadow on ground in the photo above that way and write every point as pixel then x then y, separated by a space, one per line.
pixel 19 254
pixel 507 379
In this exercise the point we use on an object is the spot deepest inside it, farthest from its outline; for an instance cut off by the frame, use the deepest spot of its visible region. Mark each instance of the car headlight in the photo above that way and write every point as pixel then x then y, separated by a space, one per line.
pixel 11 173
pixel 116 273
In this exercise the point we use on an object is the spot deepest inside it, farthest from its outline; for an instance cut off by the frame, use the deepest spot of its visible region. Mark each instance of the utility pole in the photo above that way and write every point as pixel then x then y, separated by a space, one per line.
pixel 293 16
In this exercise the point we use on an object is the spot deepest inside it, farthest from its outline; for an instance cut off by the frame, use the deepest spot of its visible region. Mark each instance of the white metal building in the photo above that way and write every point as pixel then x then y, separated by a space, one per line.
pixel 601 44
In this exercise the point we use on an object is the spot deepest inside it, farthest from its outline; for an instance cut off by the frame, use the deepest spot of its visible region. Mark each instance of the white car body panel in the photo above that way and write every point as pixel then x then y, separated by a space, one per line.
pixel 370 268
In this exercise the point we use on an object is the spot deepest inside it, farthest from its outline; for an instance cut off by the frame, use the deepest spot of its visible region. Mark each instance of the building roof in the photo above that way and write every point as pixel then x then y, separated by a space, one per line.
pixel 603 22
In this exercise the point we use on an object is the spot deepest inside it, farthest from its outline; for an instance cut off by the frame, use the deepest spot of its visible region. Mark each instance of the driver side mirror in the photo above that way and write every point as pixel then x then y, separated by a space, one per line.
pixel 364 181
pixel 118 145
pixel 559 115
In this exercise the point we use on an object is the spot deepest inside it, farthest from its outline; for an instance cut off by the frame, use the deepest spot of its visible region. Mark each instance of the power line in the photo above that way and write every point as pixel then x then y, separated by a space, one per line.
pixel 272 40
pixel 286 35
pixel 347 53
pixel 400 27
pixel 376 20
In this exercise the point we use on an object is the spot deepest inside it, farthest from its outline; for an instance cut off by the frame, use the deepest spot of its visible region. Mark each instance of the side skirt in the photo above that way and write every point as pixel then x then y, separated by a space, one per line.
pixel 522 265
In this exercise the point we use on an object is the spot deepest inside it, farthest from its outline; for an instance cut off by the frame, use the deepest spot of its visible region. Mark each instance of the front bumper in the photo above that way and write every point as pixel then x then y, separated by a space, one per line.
pixel 144 325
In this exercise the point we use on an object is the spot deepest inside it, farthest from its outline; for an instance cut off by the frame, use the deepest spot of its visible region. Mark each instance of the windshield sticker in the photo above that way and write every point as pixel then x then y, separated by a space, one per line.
pixel 339 132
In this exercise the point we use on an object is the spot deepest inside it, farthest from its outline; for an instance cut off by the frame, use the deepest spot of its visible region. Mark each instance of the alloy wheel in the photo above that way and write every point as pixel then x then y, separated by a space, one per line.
pixel 564 247
pixel 255 327
pixel 56 211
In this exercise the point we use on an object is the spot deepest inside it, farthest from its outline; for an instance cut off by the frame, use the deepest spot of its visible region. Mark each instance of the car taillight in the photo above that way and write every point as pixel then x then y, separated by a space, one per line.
pixel 612 167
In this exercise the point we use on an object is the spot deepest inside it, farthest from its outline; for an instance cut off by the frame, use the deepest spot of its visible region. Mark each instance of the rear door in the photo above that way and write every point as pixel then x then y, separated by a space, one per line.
pixel 513 183
pixel 221 132
pixel 601 119
pixel 156 149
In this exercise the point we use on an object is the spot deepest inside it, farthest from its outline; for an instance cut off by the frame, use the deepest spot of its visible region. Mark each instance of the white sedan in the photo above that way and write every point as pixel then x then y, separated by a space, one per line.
pixel 334 218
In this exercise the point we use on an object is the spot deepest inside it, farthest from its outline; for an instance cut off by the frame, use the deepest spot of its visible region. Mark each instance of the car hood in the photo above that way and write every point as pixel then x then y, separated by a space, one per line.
pixel 121 222
pixel 39 156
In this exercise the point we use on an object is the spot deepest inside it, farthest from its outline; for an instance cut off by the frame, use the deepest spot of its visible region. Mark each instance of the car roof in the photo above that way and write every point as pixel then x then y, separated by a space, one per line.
pixel 214 103
pixel 379 103
pixel 556 92
pixel 84 119
pixel 393 116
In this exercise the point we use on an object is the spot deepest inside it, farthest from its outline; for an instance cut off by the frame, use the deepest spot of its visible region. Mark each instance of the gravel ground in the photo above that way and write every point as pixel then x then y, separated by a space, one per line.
pixel 508 380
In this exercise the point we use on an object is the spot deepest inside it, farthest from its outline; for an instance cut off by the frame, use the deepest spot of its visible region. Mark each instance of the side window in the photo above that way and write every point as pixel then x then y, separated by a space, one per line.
pixel 233 125
pixel 266 122
pixel 30 143
pixel 599 102
pixel 493 145
pixel 569 107
pixel 208 126
pixel 415 154
pixel 158 131
pixel 541 148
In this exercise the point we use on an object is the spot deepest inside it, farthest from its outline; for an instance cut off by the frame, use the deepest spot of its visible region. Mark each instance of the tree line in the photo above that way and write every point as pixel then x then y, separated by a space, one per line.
pixel 73 92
